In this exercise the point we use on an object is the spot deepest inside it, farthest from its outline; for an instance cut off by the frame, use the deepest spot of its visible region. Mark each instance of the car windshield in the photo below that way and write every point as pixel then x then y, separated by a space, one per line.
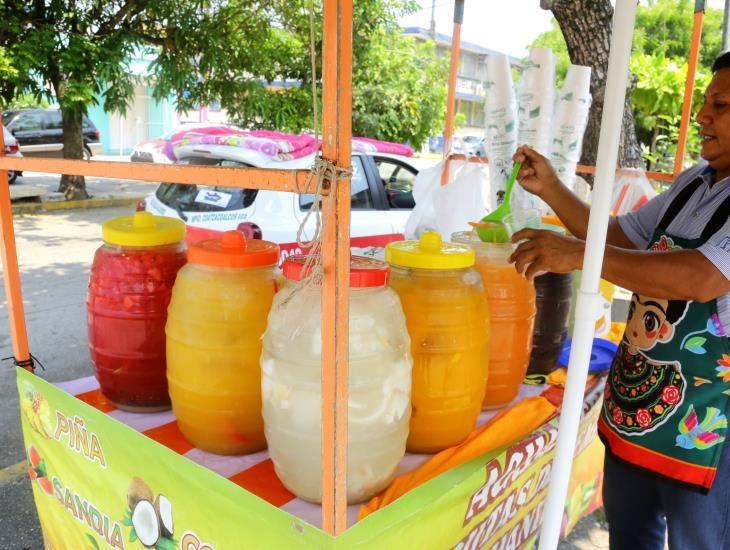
pixel 204 198
pixel 8 116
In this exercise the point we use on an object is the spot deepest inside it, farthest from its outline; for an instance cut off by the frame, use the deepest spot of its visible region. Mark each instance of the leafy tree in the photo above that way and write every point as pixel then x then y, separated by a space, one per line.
pixel 73 51
pixel 399 91
pixel 398 85
pixel 664 27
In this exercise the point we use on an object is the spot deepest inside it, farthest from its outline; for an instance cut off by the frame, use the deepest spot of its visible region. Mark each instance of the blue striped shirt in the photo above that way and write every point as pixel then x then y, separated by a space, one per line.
pixel 639 226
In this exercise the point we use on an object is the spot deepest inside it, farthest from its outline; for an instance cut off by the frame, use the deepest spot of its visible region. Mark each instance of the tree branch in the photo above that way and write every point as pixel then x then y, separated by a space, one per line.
pixel 127 11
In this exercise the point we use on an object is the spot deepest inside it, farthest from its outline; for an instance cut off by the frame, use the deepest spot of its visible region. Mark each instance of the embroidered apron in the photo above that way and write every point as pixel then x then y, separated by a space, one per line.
pixel 667 396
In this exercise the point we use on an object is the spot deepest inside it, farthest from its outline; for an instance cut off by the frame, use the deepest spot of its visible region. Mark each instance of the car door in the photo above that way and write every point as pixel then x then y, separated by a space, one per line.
pixel 52 136
pixel 396 179
pixel 369 225
pixel 27 129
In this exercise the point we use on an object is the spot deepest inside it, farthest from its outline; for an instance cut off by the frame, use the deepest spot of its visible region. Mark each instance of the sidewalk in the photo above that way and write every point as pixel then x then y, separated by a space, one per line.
pixel 35 191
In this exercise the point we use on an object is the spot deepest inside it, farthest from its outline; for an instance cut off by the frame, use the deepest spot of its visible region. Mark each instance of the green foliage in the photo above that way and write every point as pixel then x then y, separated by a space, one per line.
pixel 657 100
pixel 27 100
pixel 664 27
pixel 399 91
pixel 234 53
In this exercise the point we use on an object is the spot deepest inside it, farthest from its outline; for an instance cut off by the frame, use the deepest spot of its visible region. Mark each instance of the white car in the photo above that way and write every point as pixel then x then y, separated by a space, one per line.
pixel 381 199
pixel 11 150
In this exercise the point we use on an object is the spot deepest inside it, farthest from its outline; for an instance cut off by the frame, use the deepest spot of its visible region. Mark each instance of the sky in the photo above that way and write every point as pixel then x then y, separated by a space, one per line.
pixel 506 26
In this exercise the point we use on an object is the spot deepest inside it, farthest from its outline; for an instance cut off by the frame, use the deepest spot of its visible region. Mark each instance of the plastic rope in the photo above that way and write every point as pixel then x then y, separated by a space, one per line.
pixel 25 363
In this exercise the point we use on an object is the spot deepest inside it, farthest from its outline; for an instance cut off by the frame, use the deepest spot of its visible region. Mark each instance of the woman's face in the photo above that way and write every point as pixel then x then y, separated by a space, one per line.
pixel 714 120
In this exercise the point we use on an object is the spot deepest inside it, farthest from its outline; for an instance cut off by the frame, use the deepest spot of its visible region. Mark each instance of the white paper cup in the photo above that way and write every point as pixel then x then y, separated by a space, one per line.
pixel 499 85
pixel 578 81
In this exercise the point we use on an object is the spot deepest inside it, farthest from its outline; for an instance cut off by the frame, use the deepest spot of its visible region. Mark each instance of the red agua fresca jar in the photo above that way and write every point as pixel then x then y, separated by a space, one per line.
pixel 129 291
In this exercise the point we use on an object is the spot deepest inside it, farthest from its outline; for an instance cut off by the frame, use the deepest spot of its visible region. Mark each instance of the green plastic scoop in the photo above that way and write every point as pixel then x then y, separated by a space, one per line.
pixel 490 228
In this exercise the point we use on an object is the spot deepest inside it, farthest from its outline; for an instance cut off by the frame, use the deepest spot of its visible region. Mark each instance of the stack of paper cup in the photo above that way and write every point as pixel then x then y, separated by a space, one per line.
pixel 534 112
pixel 569 123
pixel 501 124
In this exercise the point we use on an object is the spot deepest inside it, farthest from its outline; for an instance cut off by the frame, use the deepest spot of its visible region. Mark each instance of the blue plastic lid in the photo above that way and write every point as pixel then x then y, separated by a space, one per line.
pixel 602 354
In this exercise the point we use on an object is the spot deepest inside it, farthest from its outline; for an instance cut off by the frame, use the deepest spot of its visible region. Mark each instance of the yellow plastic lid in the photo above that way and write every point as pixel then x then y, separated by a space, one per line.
pixel 430 252
pixel 143 229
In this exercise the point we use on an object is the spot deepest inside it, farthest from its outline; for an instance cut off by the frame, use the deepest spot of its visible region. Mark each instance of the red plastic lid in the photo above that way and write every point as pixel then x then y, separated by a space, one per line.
pixel 234 250
pixel 364 272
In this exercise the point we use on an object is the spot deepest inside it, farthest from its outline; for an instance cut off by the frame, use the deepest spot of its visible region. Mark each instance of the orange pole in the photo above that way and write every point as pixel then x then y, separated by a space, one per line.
pixel 11 274
pixel 451 98
pixel 336 147
pixel 249 178
pixel 694 53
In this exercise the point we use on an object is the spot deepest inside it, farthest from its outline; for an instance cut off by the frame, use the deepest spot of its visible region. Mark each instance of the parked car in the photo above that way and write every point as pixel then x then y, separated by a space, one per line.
pixel 474 145
pixel 11 149
pixel 40 132
pixel 381 199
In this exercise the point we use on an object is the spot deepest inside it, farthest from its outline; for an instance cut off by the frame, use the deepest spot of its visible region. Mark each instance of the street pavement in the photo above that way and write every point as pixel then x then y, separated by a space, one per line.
pixel 55 250
pixel 101 190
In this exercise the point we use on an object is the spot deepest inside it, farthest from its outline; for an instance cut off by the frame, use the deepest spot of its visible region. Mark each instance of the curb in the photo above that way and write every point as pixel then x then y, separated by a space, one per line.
pixel 67 205
pixel 13 472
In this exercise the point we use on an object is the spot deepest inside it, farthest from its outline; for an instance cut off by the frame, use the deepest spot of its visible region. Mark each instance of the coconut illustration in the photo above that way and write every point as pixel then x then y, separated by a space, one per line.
pixel 150 518
pixel 138 490
pixel 145 523
pixel 164 513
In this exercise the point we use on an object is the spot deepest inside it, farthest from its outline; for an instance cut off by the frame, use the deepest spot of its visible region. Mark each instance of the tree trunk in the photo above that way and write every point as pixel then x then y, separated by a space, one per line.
pixel 587 27
pixel 73 187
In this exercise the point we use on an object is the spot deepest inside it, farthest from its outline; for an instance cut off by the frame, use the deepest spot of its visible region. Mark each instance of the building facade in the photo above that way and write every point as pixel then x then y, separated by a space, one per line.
pixel 471 75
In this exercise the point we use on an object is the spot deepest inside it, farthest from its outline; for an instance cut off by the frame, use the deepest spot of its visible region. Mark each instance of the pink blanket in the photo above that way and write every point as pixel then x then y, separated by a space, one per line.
pixel 277 145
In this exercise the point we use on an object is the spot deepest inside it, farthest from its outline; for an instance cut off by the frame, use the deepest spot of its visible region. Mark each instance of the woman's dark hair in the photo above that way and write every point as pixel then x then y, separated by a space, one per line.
pixel 721 62
pixel 676 308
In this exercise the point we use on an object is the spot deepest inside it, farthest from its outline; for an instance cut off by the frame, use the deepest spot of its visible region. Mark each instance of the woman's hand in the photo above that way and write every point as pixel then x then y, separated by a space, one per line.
pixel 546 251
pixel 537 174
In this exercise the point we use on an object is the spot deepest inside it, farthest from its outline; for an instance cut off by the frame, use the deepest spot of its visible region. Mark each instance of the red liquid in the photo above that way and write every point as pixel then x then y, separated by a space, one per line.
pixel 129 291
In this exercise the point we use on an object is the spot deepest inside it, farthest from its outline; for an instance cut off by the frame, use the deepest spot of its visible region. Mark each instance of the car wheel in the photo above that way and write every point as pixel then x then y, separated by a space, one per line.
pixel 87 153
pixel 12 176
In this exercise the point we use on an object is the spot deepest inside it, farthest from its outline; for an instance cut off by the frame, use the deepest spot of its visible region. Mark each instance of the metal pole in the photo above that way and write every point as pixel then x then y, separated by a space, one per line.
pixel 11 273
pixel 432 28
pixel 451 99
pixel 694 54
pixel 588 306
pixel 725 26
pixel 336 147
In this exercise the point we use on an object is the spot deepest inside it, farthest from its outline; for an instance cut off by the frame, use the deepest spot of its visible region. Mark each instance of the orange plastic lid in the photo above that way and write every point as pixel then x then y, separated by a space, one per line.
pixel 552 219
pixel 234 250
pixel 364 272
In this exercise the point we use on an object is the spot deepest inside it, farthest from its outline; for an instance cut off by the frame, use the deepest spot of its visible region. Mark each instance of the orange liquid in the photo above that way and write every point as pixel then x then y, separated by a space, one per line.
pixel 215 322
pixel 448 321
pixel 511 300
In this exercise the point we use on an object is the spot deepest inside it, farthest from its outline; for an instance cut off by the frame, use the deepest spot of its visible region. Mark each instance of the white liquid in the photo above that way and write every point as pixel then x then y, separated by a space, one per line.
pixel 379 390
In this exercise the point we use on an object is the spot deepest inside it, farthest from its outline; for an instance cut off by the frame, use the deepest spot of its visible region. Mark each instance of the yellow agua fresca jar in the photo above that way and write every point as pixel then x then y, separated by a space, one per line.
pixel 217 316
pixel 448 321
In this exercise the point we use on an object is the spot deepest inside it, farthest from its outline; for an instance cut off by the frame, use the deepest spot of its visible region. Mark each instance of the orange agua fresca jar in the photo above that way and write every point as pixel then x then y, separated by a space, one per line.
pixel 129 290
pixel 448 321
pixel 511 300
pixel 217 317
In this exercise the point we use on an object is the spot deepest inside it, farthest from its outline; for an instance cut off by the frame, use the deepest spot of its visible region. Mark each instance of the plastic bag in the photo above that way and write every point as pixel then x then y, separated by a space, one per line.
pixel 631 191
pixel 448 208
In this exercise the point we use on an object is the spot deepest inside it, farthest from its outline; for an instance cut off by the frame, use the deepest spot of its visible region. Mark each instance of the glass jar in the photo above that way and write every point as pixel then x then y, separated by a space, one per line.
pixel 379 382
pixel 129 290
pixel 217 317
pixel 446 312
pixel 554 293
pixel 511 302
